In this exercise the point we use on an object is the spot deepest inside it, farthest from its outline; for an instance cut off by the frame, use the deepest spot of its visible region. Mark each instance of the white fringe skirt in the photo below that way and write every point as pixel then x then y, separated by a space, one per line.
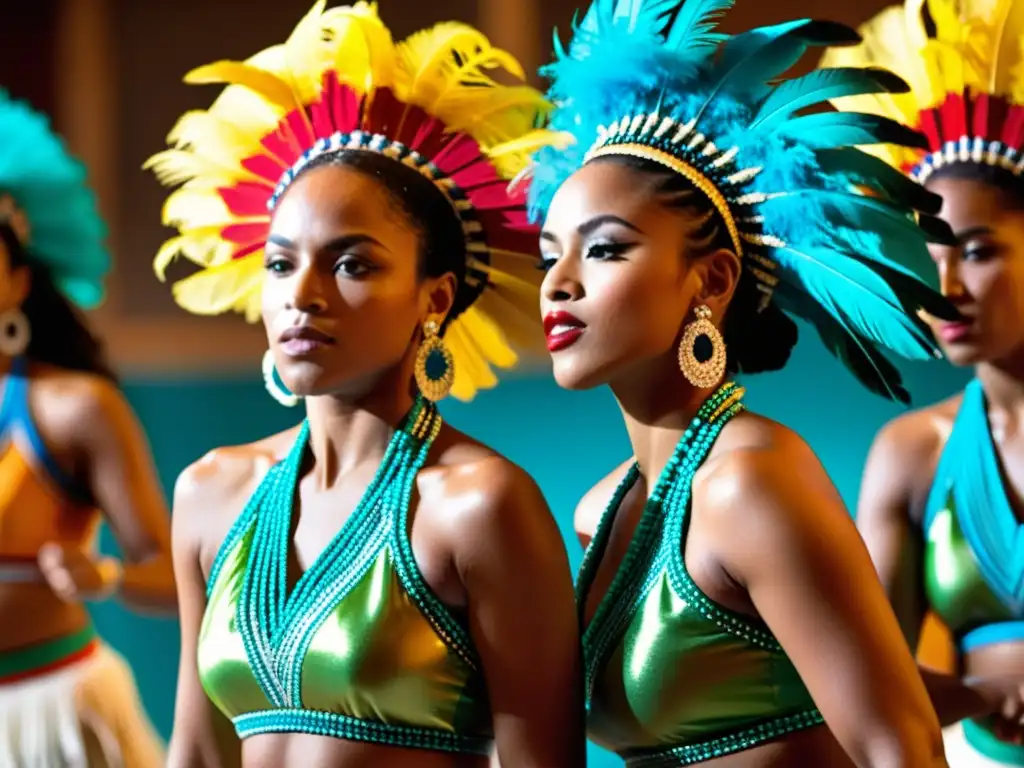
pixel 84 714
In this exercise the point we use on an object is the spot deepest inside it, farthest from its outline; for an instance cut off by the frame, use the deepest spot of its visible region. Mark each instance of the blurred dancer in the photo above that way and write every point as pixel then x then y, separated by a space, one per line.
pixel 941 505
pixel 72 455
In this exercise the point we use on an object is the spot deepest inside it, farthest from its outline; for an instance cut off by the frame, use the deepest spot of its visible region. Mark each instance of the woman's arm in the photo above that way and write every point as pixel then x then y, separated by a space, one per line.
pixel 900 456
pixel 202 736
pixel 781 531
pixel 101 431
pixel 522 617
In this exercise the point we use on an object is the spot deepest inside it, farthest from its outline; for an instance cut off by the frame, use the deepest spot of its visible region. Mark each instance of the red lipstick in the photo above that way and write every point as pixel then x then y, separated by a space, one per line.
pixel 562 330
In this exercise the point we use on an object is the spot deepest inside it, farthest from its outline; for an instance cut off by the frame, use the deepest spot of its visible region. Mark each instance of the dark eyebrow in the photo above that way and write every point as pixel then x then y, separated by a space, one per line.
pixel 588 227
pixel 338 244
pixel 966 234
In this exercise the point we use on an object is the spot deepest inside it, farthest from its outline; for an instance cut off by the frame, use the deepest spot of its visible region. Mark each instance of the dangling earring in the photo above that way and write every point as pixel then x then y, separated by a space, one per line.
pixel 15 333
pixel 708 372
pixel 435 367
pixel 276 389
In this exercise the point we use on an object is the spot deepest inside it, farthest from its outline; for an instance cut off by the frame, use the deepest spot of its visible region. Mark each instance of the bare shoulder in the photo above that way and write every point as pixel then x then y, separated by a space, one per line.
pixel 901 463
pixel 755 473
pixel 210 493
pixel 916 436
pixel 68 404
pixel 483 495
pixel 591 507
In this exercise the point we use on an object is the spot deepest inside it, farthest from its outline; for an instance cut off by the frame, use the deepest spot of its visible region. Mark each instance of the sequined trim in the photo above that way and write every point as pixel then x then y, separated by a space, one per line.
pixel 724 745
pixel 338 726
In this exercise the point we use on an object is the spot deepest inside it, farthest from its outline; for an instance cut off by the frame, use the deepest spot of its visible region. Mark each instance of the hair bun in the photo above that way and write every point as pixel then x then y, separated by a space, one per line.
pixel 757 341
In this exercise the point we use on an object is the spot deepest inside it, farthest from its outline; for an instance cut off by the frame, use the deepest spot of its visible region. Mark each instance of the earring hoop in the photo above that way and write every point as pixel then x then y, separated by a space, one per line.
pixel 276 389
pixel 702 373
pixel 15 333
pixel 435 366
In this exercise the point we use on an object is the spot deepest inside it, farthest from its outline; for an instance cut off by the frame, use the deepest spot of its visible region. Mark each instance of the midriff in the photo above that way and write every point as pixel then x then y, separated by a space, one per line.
pixel 32 613
pixel 272 750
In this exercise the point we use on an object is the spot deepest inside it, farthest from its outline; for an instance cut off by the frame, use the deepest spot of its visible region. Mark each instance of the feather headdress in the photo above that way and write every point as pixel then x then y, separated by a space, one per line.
pixel 341 82
pixel 829 234
pixel 966 81
pixel 45 200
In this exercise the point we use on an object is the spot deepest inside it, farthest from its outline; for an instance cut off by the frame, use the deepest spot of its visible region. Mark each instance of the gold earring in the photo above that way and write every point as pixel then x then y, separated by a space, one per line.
pixel 706 373
pixel 435 367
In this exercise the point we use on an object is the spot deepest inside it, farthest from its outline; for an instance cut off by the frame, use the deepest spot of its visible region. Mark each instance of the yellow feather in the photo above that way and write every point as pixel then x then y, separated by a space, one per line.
pixel 1006 41
pixel 304 53
pixel 167 253
pixel 266 84
pixel 428 60
pixel 213 137
pixel 222 288
pixel 487 337
pixel 363 51
pixel 519 325
pixel 174 166
pixel 471 372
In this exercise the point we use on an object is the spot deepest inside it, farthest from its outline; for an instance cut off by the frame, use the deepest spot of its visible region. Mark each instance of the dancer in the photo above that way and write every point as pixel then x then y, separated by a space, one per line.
pixel 72 455
pixel 730 608
pixel 372 587
pixel 940 506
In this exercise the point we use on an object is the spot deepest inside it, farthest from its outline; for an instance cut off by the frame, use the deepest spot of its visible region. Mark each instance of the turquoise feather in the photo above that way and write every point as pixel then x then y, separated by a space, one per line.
pixel 879 176
pixel 821 86
pixel 830 130
pixel 49 186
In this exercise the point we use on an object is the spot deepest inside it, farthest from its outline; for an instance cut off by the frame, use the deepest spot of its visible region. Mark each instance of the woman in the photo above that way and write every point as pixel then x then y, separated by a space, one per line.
pixel 73 455
pixel 940 503
pixel 731 613
pixel 372 587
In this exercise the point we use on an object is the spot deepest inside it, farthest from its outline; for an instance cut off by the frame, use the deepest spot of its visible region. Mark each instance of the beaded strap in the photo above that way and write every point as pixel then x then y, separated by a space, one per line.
pixel 691 754
pixel 633 579
pixel 276 627
pixel 338 726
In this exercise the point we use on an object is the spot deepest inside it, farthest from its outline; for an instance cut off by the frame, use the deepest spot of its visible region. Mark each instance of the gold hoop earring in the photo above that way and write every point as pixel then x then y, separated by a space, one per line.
pixel 435 367
pixel 702 373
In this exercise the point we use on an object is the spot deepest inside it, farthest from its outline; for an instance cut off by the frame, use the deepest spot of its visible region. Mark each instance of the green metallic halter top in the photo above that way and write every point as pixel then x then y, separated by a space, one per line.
pixel 673 678
pixel 360 649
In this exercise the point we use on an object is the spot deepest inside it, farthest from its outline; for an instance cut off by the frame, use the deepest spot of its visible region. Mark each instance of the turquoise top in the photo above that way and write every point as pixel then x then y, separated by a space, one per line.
pixel 974 550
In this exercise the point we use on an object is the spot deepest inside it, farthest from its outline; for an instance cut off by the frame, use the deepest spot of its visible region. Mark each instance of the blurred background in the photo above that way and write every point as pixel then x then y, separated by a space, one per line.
pixel 109 72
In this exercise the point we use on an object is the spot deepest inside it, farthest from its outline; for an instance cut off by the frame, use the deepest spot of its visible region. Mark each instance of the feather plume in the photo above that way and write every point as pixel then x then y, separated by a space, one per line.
pixel 48 186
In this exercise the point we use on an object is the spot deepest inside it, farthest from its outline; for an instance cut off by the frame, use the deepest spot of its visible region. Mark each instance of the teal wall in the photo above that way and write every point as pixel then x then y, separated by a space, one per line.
pixel 566 440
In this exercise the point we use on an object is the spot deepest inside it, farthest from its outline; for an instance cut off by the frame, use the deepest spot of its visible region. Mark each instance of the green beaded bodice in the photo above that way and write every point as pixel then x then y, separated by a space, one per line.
pixel 673 678
pixel 360 648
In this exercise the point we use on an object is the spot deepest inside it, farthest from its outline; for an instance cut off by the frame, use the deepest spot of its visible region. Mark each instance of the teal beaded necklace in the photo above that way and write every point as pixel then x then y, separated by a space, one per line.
pixel 649 551
pixel 277 627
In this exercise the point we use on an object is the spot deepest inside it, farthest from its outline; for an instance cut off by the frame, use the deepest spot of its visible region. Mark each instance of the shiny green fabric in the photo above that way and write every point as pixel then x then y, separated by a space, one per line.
pixel 377 657
pixel 954 586
pixel 677 677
